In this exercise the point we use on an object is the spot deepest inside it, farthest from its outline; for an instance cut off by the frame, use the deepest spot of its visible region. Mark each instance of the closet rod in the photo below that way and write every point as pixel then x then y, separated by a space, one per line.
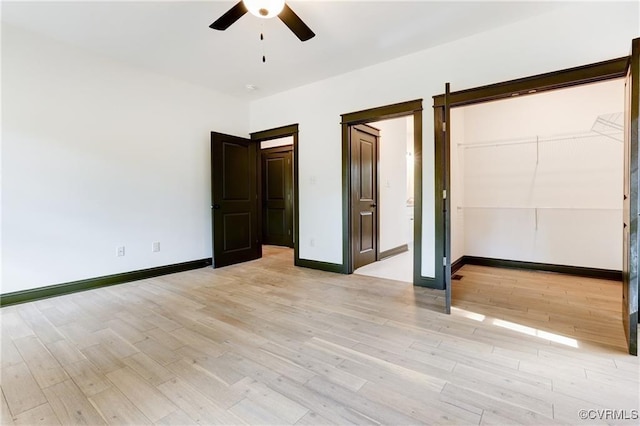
pixel 541 140
pixel 537 208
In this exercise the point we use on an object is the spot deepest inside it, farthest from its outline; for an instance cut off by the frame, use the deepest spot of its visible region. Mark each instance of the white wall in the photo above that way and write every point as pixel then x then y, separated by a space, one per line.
pixel 579 34
pixel 393 183
pixel 571 181
pixel 410 181
pixel 457 170
pixel 97 155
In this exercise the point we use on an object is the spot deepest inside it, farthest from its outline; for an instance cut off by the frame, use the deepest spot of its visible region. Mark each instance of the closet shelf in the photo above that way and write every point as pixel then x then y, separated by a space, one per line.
pixel 614 135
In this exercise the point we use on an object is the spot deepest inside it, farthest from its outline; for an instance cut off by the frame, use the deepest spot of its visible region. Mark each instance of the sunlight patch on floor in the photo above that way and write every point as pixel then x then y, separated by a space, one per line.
pixel 530 331
pixel 468 314
pixel 552 337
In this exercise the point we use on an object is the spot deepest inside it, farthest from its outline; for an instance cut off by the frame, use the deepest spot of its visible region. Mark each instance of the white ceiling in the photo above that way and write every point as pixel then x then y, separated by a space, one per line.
pixel 174 38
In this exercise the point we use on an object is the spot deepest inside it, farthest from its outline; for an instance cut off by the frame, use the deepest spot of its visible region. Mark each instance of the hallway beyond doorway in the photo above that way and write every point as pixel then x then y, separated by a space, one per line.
pixel 398 268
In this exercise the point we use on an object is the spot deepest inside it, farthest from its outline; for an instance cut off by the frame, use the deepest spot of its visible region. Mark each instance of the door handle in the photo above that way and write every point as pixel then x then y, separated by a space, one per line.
pixel 373 204
pixel 215 206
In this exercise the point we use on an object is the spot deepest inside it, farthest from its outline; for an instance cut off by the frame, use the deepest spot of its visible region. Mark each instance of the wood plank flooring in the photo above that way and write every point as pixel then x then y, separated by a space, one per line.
pixel 268 343
pixel 585 309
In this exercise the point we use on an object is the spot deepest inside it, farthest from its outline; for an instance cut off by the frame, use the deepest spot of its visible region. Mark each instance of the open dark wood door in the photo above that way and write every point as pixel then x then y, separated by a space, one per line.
pixel 630 209
pixel 234 185
pixel 446 203
pixel 364 194
pixel 277 196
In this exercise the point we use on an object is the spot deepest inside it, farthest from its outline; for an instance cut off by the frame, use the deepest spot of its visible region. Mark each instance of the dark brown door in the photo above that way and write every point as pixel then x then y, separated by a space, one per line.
pixel 234 184
pixel 630 201
pixel 277 196
pixel 364 194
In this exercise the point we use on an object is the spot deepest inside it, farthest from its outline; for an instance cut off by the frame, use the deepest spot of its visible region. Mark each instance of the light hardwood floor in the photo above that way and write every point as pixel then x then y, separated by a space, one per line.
pixel 588 310
pixel 268 343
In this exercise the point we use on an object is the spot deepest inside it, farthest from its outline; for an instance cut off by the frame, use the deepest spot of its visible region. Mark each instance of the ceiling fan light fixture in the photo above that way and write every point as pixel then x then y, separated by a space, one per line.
pixel 264 8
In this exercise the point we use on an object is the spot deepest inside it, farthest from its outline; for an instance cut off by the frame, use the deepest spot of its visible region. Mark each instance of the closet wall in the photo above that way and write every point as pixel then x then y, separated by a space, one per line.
pixel 539 178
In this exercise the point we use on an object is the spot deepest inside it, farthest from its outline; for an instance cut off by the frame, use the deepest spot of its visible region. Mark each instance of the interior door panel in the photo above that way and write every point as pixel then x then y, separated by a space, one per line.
pixel 277 196
pixel 364 198
pixel 234 184
pixel 630 200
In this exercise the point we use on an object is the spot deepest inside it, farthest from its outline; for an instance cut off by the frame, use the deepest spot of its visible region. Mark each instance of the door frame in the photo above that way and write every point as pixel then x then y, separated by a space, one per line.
pixel 630 294
pixel 403 109
pixel 277 133
pixel 592 73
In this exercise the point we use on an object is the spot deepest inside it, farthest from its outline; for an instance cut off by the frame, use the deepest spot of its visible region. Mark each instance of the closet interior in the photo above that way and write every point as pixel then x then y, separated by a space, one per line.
pixel 539 178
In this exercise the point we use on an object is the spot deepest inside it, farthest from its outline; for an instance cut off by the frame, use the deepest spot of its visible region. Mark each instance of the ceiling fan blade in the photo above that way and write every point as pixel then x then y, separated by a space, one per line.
pixel 295 24
pixel 232 15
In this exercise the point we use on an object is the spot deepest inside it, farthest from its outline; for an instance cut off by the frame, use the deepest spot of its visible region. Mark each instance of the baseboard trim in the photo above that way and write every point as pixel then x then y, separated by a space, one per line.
pixel 606 274
pixel 321 266
pixel 458 264
pixel 393 252
pixel 91 283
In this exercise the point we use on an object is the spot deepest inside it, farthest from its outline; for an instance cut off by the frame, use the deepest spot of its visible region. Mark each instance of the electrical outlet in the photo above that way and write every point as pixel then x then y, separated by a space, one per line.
pixel 155 247
pixel 120 251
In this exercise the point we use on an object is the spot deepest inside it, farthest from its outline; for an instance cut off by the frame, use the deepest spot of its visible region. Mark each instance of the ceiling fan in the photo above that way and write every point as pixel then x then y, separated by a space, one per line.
pixel 265 9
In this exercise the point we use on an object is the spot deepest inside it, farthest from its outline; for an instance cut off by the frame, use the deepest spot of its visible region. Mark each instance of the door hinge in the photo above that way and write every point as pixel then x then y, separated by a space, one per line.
pixel 444 261
pixel 444 194
pixel 444 126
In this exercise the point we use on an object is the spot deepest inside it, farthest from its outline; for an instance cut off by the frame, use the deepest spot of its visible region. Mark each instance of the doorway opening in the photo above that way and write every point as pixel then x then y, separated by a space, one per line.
pixel 278 182
pixel 277 191
pixel 558 212
pixel 382 198
pixel 536 183
pixel 530 175
pixel 236 196
pixel 363 186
